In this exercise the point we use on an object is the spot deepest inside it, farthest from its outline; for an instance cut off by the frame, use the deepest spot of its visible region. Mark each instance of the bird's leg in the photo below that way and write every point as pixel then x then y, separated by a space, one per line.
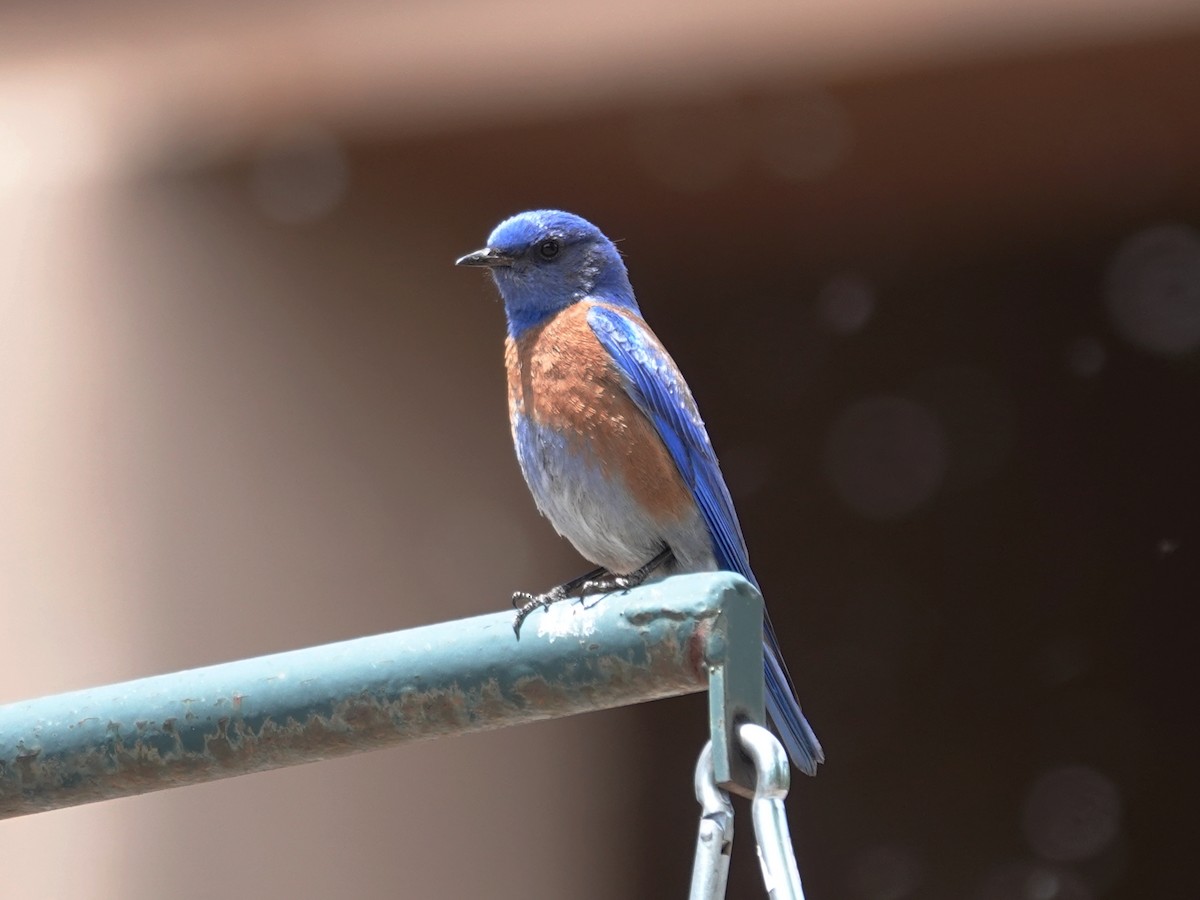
pixel 597 581
pixel 525 602
pixel 605 582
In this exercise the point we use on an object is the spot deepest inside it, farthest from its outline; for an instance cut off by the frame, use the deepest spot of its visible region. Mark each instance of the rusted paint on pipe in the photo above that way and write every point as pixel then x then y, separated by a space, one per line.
pixel 307 705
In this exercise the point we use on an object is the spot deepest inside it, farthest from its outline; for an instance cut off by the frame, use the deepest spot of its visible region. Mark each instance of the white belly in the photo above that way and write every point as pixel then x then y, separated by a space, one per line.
pixel 597 514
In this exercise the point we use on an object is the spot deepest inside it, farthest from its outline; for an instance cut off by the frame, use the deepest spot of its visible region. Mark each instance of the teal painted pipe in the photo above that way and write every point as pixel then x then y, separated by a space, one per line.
pixel 471 675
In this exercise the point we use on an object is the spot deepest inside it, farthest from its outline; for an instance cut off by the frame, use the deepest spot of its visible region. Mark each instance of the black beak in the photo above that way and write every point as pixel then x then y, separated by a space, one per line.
pixel 486 257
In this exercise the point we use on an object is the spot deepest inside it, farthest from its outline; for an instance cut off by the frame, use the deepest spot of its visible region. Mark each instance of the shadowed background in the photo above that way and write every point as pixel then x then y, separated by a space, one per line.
pixel 932 271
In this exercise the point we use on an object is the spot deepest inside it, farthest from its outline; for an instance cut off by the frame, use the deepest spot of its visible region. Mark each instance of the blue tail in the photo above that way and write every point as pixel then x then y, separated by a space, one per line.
pixel 659 391
pixel 797 735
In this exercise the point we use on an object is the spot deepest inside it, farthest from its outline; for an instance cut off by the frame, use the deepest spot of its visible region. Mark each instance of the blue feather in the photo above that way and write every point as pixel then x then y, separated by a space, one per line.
pixel 544 261
pixel 660 392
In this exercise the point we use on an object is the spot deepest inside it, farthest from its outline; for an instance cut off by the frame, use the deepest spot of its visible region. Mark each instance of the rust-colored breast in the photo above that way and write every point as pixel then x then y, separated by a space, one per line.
pixel 564 381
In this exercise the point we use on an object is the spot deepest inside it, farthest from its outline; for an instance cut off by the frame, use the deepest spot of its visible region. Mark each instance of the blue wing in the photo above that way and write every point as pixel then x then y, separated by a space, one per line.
pixel 658 389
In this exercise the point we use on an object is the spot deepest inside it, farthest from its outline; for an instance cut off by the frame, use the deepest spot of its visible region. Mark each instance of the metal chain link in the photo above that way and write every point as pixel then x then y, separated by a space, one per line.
pixel 714 843
pixel 710 872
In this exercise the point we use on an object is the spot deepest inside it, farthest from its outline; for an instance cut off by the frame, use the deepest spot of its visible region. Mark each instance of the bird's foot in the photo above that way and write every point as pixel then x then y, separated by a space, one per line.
pixel 597 581
pixel 526 603
pixel 607 582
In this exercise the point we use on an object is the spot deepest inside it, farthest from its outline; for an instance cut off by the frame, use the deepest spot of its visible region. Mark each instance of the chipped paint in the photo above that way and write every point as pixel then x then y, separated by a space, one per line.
pixel 573 618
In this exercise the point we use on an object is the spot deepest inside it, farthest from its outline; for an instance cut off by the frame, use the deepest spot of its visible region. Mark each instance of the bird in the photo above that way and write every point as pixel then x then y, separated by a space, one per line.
pixel 607 433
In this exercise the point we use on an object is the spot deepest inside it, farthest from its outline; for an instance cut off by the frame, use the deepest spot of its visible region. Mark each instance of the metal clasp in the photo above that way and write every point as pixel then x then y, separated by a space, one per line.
pixel 714 843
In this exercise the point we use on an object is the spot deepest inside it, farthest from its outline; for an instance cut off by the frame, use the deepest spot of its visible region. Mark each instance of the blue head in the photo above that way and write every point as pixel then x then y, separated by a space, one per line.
pixel 544 260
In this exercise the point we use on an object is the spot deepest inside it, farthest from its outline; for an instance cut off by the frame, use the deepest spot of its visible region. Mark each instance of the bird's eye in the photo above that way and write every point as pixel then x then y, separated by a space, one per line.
pixel 548 249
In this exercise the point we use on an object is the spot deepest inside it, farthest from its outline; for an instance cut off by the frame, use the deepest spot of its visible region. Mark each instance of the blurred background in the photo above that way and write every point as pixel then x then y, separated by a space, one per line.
pixel 932 270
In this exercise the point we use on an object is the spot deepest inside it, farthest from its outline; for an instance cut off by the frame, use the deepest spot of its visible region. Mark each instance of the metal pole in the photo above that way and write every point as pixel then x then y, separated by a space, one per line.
pixel 438 680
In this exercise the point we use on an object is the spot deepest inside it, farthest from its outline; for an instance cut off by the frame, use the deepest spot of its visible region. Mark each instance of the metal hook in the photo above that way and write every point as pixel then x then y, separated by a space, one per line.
pixel 714 843
pixel 773 778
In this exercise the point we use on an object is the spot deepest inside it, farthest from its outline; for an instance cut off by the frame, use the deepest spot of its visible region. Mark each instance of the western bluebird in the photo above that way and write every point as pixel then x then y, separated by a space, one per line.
pixel 607 433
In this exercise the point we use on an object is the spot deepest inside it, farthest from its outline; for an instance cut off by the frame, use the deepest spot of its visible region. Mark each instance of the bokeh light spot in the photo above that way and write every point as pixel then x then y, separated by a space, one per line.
pixel 845 303
pixel 804 138
pixel 978 415
pixel 1061 661
pixel 691 149
pixel 885 872
pixel 300 176
pixel 1086 356
pixel 1072 813
pixel 886 456
pixel 1167 546
pixel 1032 881
pixel 1153 290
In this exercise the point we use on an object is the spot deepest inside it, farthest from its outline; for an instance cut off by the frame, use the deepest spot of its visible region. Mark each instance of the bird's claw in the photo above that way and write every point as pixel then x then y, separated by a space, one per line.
pixel 608 585
pixel 526 603
pixel 610 582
